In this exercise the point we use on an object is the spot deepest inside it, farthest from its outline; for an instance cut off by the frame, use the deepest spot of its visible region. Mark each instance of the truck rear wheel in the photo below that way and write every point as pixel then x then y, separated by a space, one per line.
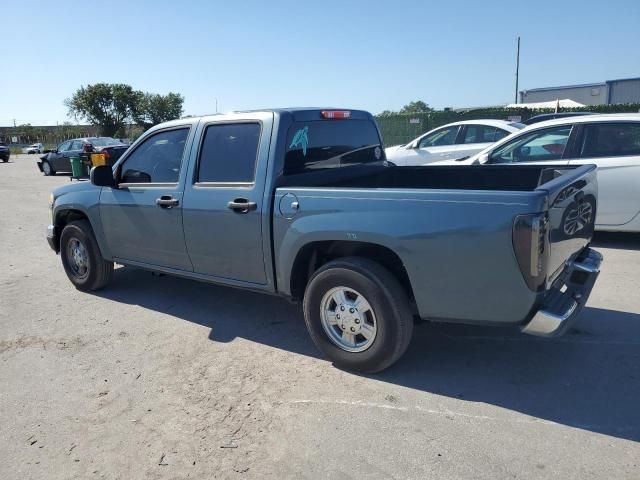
pixel 81 258
pixel 358 314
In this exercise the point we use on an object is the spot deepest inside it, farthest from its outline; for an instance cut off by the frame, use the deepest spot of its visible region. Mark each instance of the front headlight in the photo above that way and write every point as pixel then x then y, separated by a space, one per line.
pixel 51 200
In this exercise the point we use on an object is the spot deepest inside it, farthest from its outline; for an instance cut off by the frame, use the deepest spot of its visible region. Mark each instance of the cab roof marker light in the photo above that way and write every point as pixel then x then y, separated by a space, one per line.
pixel 335 114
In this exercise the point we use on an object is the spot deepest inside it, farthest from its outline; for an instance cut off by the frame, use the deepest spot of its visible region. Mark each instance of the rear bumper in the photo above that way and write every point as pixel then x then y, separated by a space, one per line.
pixel 564 300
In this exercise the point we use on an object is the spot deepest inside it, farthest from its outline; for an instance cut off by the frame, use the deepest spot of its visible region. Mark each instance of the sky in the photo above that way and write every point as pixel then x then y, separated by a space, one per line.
pixel 374 55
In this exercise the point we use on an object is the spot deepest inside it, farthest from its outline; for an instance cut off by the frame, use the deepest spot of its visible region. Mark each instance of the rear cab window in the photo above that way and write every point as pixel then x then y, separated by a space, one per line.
pixel 328 144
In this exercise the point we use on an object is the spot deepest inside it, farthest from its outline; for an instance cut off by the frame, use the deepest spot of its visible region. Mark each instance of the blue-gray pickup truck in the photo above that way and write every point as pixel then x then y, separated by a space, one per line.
pixel 303 203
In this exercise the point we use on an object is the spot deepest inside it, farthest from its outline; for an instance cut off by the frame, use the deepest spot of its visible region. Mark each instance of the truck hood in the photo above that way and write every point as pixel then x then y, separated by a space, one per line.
pixel 75 187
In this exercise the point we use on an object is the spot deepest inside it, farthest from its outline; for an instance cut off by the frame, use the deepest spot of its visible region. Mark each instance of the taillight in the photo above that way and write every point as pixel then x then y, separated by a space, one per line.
pixel 531 244
pixel 335 114
pixel 87 148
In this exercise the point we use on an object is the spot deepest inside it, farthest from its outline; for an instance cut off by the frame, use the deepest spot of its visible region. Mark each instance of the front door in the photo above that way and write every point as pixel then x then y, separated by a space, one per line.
pixel 540 146
pixel 223 210
pixel 436 146
pixel 142 218
pixel 615 149
pixel 60 158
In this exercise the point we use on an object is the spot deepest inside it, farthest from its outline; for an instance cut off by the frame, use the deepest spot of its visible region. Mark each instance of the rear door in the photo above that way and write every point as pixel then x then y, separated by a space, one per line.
pixel 142 218
pixel 60 158
pixel 223 204
pixel 615 148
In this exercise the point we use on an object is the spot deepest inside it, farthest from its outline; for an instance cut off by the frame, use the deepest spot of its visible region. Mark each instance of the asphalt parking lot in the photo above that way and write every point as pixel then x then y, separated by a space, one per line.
pixel 159 377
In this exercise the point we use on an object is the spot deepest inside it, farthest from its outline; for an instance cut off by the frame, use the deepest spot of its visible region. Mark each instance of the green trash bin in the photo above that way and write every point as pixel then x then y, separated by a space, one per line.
pixel 76 167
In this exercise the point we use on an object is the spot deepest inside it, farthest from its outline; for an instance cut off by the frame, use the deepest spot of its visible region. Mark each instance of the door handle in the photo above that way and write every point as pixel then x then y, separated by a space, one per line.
pixel 242 205
pixel 167 201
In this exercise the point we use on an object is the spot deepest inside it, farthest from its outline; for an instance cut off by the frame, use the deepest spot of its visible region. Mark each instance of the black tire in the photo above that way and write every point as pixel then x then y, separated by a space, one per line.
pixel 5 160
pixel 48 171
pixel 98 270
pixel 388 301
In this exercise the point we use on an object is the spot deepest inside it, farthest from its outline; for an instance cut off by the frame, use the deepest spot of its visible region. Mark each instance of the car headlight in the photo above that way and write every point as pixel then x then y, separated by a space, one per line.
pixel 51 200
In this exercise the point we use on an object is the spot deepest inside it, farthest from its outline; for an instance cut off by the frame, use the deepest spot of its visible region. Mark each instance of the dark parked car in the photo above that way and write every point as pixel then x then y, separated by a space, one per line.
pixel 550 116
pixel 58 160
pixel 5 153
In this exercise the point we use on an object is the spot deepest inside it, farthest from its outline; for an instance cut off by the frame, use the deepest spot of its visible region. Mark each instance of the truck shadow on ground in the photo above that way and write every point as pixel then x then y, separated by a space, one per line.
pixel 588 379
pixel 618 240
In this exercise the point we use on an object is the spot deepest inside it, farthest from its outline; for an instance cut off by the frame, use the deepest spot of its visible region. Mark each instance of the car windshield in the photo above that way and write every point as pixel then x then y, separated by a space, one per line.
pixel 103 141
pixel 517 125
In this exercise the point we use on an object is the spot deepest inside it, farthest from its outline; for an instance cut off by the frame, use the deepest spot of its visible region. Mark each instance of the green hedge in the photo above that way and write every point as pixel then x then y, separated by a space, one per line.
pixel 397 128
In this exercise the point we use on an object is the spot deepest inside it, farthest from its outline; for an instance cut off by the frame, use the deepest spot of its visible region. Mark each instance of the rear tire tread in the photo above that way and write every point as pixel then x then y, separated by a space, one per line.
pixel 393 295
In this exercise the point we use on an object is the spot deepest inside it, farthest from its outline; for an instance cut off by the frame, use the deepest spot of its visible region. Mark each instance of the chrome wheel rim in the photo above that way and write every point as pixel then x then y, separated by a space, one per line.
pixel 78 258
pixel 348 319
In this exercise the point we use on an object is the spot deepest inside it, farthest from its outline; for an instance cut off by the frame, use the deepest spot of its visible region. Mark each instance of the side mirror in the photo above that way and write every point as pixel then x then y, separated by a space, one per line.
pixel 482 159
pixel 102 176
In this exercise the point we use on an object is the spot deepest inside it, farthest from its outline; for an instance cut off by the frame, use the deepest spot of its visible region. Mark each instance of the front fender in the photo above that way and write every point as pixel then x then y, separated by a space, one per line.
pixel 85 202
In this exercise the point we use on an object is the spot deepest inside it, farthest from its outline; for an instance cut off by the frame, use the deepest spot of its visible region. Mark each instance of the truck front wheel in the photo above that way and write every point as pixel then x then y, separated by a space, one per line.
pixel 358 314
pixel 81 257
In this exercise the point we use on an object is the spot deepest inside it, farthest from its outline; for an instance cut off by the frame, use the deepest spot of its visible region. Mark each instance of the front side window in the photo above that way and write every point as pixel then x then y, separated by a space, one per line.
pixel 327 144
pixel 610 140
pixel 64 146
pixel 77 145
pixel 157 159
pixel 439 138
pixel 541 145
pixel 229 153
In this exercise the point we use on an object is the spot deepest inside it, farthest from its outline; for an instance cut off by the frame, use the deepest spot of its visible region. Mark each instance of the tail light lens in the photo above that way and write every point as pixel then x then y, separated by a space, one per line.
pixel 531 246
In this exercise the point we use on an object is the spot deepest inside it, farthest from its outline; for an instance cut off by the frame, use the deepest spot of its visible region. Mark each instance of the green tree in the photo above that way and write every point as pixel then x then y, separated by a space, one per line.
pixel 152 108
pixel 108 105
pixel 417 106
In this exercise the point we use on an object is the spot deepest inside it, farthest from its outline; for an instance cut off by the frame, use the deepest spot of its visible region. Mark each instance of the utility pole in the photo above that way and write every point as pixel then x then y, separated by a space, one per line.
pixel 517 69
pixel 216 104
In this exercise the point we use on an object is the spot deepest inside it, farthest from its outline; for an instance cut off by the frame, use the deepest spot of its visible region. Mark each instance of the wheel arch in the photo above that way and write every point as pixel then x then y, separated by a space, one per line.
pixel 64 216
pixel 315 254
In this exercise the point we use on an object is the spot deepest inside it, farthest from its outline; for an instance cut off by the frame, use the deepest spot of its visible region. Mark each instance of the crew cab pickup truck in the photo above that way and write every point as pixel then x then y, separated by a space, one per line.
pixel 302 203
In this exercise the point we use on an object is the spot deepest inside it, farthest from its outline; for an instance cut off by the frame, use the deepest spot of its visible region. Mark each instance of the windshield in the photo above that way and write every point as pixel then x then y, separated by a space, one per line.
pixel 326 144
pixel 517 125
pixel 103 141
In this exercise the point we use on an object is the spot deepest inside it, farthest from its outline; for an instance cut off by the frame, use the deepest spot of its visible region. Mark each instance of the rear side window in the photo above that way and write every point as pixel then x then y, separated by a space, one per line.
pixel 229 153
pixel 483 134
pixel 325 144
pixel 610 140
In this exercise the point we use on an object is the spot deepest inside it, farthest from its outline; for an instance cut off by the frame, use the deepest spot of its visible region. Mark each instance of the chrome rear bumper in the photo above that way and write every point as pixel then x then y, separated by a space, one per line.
pixel 567 296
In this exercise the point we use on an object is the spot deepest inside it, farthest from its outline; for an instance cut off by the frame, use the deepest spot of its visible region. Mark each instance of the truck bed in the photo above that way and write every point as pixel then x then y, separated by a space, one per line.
pixel 455 229
pixel 463 177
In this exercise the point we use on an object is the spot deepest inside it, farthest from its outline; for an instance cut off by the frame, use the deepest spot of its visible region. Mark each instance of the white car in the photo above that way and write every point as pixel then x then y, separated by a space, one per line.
pixel 33 148
pixel 452 141
pixel 612 142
